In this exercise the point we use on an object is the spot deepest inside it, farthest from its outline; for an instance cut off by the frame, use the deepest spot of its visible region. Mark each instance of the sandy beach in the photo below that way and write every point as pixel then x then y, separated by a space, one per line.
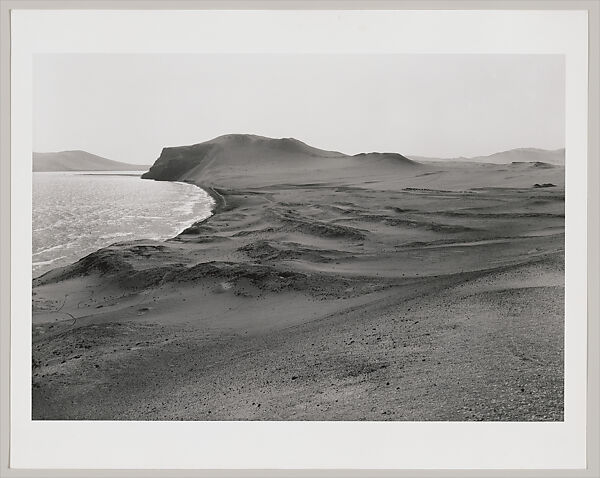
pixel 324 287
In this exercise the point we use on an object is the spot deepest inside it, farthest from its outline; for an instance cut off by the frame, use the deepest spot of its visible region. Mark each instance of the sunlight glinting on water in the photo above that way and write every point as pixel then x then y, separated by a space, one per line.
pixel 76 213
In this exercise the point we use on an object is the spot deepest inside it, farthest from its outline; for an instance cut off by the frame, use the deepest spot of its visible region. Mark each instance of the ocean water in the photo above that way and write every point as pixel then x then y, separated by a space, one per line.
pixel 76 213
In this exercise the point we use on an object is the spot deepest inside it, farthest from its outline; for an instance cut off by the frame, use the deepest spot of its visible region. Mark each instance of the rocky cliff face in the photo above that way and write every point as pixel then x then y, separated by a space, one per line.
pixel 174 163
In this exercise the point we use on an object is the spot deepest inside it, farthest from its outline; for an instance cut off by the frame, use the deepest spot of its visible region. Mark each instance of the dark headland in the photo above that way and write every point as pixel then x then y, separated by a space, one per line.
pixel 324 287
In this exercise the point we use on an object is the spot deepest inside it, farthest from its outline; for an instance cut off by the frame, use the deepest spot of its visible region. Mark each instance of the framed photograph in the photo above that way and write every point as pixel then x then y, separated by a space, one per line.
pixel 300 238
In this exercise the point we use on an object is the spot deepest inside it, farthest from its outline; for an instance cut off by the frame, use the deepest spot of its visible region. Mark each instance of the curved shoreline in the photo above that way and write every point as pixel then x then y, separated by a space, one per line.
pixel 217 206
pixel 217 197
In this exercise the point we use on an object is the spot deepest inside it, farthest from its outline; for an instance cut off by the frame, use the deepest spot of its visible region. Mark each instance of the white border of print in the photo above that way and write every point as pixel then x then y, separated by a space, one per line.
pixel 287 445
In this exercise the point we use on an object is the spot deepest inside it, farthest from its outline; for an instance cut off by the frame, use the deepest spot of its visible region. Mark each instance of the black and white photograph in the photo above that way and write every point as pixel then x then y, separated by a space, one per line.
pixel 269 237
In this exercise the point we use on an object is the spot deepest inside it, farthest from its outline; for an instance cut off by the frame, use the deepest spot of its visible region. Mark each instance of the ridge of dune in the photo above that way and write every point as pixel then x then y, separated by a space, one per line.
pixel 393 157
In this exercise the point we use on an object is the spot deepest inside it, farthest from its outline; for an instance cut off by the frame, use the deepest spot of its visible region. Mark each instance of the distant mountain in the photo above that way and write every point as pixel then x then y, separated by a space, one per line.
pixel 79 161
pixel 520 155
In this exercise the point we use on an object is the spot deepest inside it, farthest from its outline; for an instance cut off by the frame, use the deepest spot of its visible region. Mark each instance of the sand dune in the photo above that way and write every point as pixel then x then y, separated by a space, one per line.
pixel 324 287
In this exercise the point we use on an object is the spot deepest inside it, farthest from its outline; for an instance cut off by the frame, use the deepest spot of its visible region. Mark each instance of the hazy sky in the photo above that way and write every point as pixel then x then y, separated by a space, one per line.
pixel 128 107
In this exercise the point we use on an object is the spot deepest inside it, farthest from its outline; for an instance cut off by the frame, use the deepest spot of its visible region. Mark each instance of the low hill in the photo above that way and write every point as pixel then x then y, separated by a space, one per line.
pixel 79 161
pixel 520 155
